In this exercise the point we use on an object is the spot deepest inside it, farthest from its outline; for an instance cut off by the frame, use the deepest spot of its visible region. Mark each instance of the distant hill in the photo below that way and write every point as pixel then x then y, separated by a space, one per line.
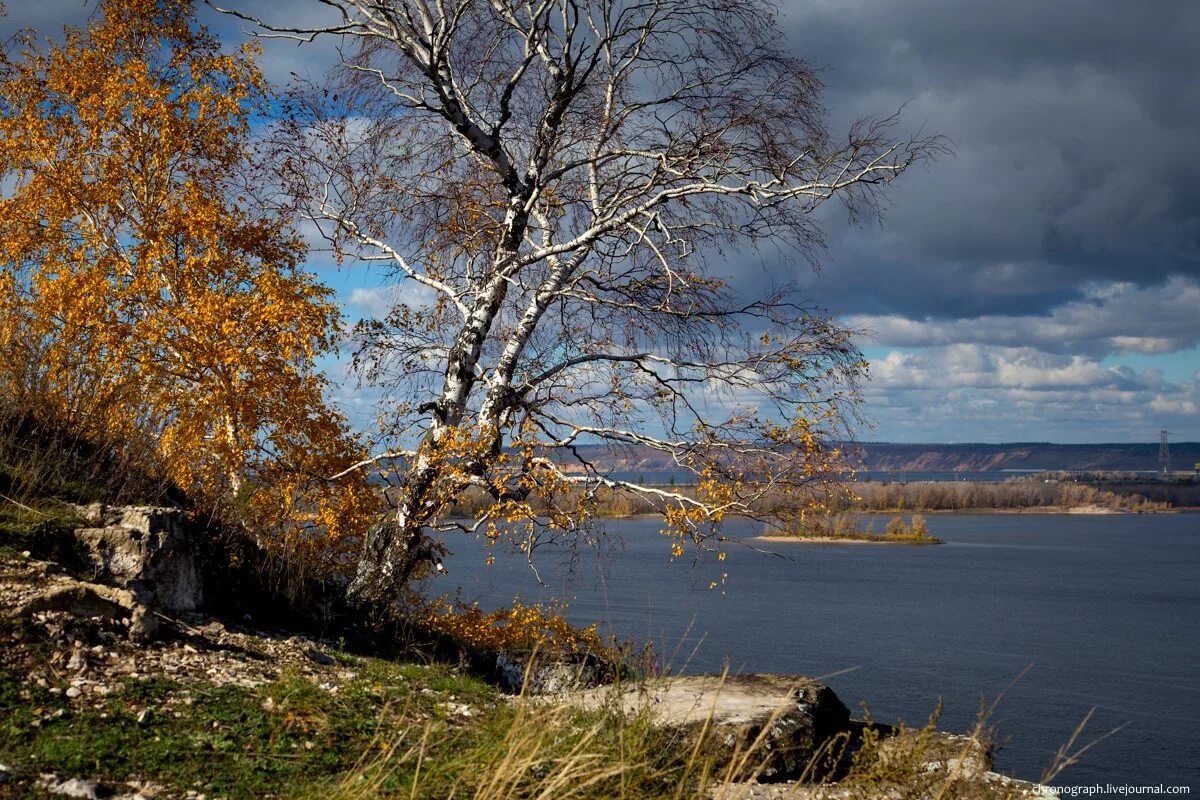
pixel 894 457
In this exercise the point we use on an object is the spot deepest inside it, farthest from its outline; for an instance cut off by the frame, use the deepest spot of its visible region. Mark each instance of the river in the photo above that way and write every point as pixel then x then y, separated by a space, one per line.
pixel 1088 611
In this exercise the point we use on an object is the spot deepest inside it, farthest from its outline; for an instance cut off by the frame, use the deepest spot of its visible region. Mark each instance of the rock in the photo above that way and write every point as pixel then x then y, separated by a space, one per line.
pixel 1023 789
pixel 73 691
pixel 77 787
pixel 147 549
pixel 565 674
pixel 457 709
pixel 317 657
pixel 81 599
pixel 143 624
pixel 144 790
pixel 955 754
pixel 959 766
pixel 78 661
pixel 794 715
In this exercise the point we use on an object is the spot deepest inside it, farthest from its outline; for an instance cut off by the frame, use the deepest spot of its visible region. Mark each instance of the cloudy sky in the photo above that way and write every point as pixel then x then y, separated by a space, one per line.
pixel 1042 284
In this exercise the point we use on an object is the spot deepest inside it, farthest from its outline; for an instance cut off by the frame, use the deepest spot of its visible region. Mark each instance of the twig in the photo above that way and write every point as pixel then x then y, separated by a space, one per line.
pixel 22 505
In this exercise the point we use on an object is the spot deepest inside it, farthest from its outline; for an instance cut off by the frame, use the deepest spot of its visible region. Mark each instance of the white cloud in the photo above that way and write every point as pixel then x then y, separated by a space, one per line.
pixel 377 301
pixel 1111 318
pixel 995 393
pixel 1170 405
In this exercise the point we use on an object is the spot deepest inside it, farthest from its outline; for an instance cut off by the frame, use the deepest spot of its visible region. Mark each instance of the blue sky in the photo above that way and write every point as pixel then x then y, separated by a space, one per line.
pixel 1042 284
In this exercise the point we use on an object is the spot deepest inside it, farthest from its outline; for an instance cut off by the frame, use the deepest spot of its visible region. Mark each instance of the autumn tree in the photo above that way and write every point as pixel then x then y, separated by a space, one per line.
pixel 141 298
pixel 558 184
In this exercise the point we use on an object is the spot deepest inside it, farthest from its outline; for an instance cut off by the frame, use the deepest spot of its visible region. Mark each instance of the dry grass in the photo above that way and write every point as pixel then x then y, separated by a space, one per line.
pixel 551 750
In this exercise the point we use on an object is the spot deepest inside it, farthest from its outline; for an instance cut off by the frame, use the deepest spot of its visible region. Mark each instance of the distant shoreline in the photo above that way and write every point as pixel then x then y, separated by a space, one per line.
pixel 782 537
pixel 1048 511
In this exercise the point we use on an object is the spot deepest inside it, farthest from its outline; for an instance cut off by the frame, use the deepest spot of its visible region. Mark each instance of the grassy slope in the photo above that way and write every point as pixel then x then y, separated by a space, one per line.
pixel 293 739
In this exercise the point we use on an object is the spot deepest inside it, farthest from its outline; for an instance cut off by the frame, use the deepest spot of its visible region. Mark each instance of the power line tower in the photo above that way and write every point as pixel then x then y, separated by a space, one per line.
pixel 1164 454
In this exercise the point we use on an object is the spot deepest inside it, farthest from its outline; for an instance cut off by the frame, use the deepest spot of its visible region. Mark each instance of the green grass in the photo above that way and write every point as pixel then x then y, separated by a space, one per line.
pixel 34 525
pixel 285 739
pixel 293 739
pixel 396 731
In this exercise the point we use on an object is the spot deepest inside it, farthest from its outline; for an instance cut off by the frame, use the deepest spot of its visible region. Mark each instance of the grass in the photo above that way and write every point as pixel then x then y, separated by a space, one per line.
pixel 286 739
pixel 400 731
pixel 398 728
pixel 38 526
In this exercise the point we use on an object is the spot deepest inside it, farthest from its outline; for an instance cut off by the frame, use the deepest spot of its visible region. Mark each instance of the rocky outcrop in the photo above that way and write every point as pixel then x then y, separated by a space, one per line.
pixel 79 599
pixel 146 549
pixel 920 765
pixel 786 718
pixel 143 561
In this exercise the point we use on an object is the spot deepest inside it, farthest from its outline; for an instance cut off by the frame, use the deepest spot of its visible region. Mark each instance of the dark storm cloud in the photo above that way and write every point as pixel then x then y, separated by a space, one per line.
pixel 1044 283
pixel 1074 124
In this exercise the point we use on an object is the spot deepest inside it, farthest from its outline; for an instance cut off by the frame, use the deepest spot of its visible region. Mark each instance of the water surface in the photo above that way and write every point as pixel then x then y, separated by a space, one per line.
pixel 1096 611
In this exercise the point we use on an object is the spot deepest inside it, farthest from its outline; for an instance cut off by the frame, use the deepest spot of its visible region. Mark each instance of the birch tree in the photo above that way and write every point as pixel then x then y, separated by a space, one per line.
pixel 559 188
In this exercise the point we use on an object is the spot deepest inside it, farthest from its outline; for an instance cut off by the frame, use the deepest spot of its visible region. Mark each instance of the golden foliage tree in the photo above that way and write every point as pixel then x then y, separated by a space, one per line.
pixel 141 297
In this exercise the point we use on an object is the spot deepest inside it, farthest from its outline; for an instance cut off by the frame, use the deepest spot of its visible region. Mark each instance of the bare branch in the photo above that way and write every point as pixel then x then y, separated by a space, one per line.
pixel 568 175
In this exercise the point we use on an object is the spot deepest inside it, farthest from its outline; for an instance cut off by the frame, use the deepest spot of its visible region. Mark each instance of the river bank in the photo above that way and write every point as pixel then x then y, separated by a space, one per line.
pixel 131 690
pixel 782 537
pixel 1017 495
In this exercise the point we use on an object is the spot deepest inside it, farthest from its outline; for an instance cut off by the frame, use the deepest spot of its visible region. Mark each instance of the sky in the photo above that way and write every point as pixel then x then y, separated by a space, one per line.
pixel 1043 283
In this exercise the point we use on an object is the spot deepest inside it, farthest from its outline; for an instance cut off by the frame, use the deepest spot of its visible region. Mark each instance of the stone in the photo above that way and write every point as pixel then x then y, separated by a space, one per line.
pixel 78 661
pixel 146 549
pixel 954 754
pixel 566 674
pixel 143 624
pixel 81 599
pixel 958 766
pixel 317 657
pixel 794 715
pixel 77 787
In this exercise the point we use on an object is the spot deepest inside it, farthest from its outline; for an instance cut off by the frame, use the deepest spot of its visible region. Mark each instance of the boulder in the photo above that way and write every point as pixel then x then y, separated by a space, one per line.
pixel 548 676
pixel 146 549
pixel 81 599
pixel 790 717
